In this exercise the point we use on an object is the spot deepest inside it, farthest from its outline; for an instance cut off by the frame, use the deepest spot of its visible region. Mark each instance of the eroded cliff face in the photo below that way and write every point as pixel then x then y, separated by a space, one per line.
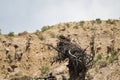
pixel 26 55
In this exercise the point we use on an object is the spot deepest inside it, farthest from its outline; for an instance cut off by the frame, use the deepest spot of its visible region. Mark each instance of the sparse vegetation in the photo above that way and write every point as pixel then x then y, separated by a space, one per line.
pixel 98 20
pixel 82 23
pixel 23 33
pixel 99 57
pixel 10 34
pixel 99 62
pixel 52 35
pixel 84 28
pixel 40 35
pixel 37 32
pixel 109 21
pixel 113 56
pixel 44 69
pixel 45 28
pixel 69 48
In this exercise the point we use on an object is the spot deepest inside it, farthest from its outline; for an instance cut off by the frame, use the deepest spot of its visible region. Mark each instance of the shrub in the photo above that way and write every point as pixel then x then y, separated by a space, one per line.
pixel 98 20
pixel 110 59
pixel 40 36
pixel 10 34
pixel 82 23
pixel 52 35
pixel 100 62
pixel 109 21
pixel 45 28
pixel 44 69
pixel 113 56
pixel 99 57
pixel 37 32
pixel 114 53
pixel 23 33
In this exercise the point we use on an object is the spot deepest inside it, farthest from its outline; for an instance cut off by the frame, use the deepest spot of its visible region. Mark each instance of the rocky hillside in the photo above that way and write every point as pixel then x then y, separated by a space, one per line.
pixel 26 54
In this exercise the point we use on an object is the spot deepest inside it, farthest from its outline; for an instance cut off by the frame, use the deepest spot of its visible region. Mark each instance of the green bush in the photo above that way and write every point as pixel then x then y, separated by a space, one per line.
pixel 98 20
pixel 45 28
pixel 99 57
pixel 114 53
pixel 23 33
pixel 10 34
pixel 44 69
pixel 37 32
pixel 109 21
pixel 40 36
pixel 100 62
pixel 52 35
pixel 113 56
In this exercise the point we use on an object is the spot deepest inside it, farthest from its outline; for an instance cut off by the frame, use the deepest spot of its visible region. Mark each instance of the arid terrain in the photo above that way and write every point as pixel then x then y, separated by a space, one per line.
pixel 27 55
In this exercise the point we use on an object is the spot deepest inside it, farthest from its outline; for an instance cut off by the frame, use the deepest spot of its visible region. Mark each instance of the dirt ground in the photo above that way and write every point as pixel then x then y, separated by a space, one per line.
pixel 35 61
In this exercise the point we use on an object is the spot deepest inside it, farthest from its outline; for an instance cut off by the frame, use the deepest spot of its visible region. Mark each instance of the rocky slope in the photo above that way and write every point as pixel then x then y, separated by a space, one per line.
pixel 26 55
